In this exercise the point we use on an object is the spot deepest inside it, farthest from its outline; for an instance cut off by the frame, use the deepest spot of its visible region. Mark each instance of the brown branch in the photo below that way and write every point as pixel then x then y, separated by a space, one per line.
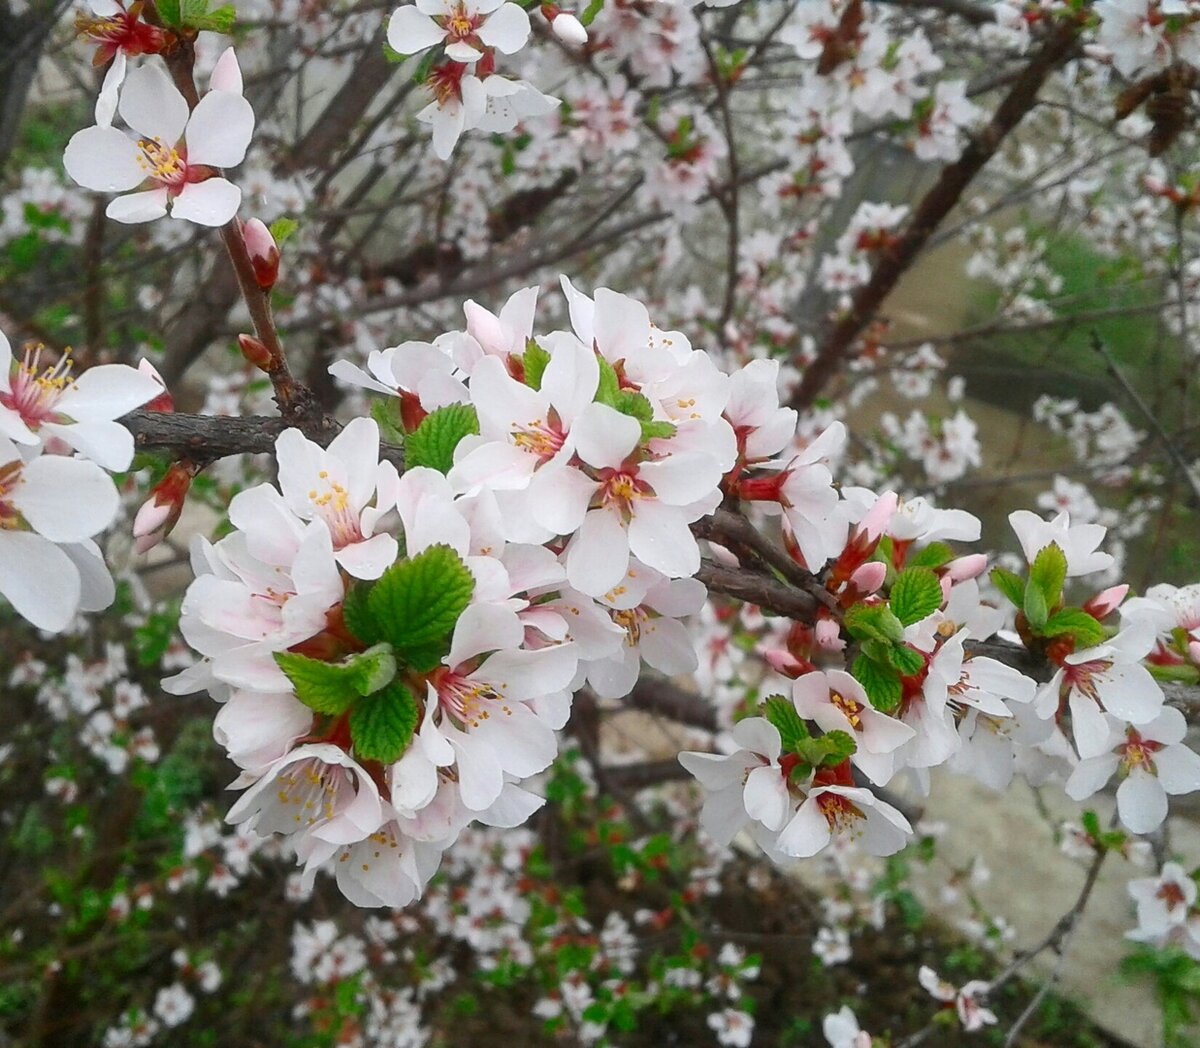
pixel 204 439
pixel 1057 49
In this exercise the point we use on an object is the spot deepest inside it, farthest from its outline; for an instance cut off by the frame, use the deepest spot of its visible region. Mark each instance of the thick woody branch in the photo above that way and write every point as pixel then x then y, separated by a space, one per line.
pixel 1057 49
pixel 204 439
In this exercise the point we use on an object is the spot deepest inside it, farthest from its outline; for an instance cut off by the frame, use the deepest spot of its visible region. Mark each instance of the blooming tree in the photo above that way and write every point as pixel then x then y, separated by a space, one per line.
pixel 471 536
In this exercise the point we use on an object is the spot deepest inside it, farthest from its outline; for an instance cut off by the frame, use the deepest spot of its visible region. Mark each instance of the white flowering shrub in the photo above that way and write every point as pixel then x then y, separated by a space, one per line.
pixel 582 653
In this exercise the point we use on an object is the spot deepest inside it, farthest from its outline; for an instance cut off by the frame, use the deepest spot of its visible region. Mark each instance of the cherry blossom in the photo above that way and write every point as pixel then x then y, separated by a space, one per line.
pixel 42 404
pixel 1152 763
pixel 49 507
pixel 463 26
pixel 177 153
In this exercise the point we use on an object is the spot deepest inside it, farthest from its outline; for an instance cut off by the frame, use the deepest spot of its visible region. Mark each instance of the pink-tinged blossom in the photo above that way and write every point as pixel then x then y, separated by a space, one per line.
pixel 172 151
pixel 316 793
pixel 841 1030
pixel 1164 903
pixel 43 401
pixel 1109 677
pixel 618 503
pixel 49 507
pixel 347 488
pixel 464 27
pixel 742 786
pixel 653 633
pixel 1079 542
pixel 848 813
pixel 835 701
pixel 262 589
pixel 1152 763
pixel 965 999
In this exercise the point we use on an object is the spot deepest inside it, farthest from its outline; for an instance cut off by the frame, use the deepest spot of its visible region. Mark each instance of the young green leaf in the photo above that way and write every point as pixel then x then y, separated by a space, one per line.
pixel 1048 572
pixel 880 682
pixel 282 228
pixel 535 361
pixel 907 660
pixel 1034 606
pixel 417 602
pixel 1010 584
pixel 333 687
pixel 1076 622
pixel 935 555
pixel 382 725
pixel 916 594
pixel 386 414
pixel 609 386
pixel 781 713
pixel 829 750
pixel 874 621
pixel 433 442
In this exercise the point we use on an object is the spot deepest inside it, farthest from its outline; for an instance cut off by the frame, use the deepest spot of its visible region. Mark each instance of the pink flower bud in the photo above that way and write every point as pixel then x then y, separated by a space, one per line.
pixel 869 577
pixel 485 328
pixel 969 567
pixel 160 512
pixel 1106 601
pixel 255 352
pixel 569 30
pixel 264 253
pixel 164 401
pixel 1194 651
pixel 828 634
pixel 783 662
pixel 872 526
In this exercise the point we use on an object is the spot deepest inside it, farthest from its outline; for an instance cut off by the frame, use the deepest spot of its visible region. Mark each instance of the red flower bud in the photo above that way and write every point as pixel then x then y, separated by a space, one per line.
pixel 264 253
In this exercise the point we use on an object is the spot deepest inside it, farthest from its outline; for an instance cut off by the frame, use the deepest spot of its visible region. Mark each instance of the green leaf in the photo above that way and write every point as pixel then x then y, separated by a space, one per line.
pixel 282 228
pixel 659 429
pixel 916 594
pixel 1048 572
pixel 433 442
pixel 874 621
pixel 170 13
pixel 357 615
pixel 1035 607
pixel 828 751
pixel 535 361
pixel 591 11
pixel 609 386
pixel 634 404
pixel 880 682
pixel 907 660
pixel 333 687
pixel 1010 584
pixel 782 713
pixel 1076 622
pixel 935 555
pixel 416 602
pixel 382 726
pixel 386 414
pixel 197 16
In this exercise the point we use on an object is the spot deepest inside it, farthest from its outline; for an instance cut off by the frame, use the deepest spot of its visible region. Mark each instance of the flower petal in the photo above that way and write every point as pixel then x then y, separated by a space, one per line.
pixel 219 132
pixel 104 159
pixel 212 202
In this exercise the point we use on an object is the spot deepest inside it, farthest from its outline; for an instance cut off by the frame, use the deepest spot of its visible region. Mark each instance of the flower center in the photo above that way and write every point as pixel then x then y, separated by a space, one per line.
pixel 32 395
pixel 849 707
pixel 1083 677
pixel 538 439
pixel 333 506
pixel 161 163
pixel 460 25
pixel 620 488
pixel 841 813
pixel 631 622
pixel 307 794
pixel 468 701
